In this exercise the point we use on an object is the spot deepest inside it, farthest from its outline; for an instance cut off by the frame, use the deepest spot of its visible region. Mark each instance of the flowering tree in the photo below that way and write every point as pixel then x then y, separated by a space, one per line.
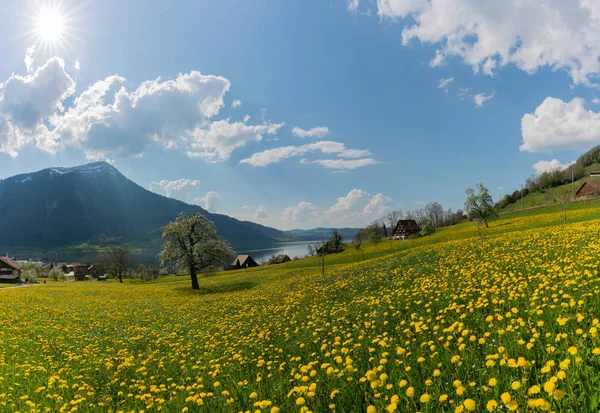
pixel 192 242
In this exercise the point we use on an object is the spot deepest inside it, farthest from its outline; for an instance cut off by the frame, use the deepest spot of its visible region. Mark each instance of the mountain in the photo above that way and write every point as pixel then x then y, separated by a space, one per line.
pixel 71 209
pixel 318 234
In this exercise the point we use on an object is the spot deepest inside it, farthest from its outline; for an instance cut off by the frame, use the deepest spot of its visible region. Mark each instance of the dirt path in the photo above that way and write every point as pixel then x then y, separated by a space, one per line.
pixel 19 286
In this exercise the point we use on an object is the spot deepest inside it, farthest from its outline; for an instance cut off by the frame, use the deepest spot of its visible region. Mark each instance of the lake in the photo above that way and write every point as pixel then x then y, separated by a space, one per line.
pixel 293 249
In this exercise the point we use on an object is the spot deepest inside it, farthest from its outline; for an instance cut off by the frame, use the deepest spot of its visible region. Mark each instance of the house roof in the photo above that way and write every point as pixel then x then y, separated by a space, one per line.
pixel 242 259
pixel 281 258
pixel 409 224
pixel 10 263
pixel 595 186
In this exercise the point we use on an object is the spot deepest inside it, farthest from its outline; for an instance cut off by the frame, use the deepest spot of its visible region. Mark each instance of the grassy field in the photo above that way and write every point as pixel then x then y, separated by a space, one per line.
pixel 505 320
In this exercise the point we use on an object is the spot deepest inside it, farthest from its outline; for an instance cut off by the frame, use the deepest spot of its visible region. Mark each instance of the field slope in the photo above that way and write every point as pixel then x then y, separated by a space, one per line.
pixel 503 320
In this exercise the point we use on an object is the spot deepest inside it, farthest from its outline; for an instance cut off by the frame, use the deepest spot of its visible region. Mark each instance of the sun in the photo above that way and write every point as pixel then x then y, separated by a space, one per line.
pixel 50 24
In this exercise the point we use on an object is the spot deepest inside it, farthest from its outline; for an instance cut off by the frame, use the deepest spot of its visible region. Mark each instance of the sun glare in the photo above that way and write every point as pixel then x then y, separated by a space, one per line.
pixel 50 24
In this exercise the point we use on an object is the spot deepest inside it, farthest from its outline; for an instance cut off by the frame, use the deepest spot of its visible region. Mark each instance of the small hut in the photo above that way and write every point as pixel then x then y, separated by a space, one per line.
pixel 405 228
pixel 280 259
pixel 10 271
pixel 242 261
pixel 588 190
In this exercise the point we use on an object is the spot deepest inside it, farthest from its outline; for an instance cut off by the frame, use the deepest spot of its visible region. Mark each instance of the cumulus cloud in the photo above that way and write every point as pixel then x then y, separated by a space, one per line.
pixel 356 208
pixel 302 212
pixel 275 155
pixel 556 124
pixel 236 103
pixel 170 188
pixel 595 101
pixel 109 121
pixel 490 34
pixel 378 205
pixel 77 65
pixel 26 102
pixel 29 58
pixel 209 201
pixel 316 132
pixel 349 201
pixel 443 83
pixel 481 98
pixel 353 5
pixel 221 138
pixel 261 212
pixel 549 166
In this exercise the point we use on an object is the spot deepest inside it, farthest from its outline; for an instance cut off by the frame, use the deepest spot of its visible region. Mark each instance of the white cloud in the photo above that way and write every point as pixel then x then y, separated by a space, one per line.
pixel 108 121
pixel 595 101
pixel 549 166
pixel 77 65
pixel 443 83
pixel 261 212
pixel 343 164
pixel 490 34
pixel 349 201
pixel 209 201
pixel 302 212
pixel 26 102
pixel 556 124
pixel 29 58
pixel 378 205
pixel 481 98
pixel 236 103
pixel 221 138
pixel 170 188
pixel 316 132
pixel 270 156
pixel 353 5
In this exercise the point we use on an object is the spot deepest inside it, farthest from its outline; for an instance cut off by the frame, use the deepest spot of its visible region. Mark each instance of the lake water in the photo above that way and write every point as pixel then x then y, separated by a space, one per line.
pixel 293 249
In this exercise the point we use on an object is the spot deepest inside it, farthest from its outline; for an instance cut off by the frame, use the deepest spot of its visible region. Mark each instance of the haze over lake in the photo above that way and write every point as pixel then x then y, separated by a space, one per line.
pixel 293 249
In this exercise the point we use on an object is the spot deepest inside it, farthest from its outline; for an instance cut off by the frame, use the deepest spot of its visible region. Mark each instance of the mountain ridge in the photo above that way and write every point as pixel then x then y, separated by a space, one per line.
pixel 93 203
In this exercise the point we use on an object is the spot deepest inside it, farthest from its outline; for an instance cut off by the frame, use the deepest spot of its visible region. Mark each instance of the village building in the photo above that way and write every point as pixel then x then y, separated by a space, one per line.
pixel 10 271
pixel 81 272
pixel 242 261
pixel 405 228
pixel 280 259
pixel 588 190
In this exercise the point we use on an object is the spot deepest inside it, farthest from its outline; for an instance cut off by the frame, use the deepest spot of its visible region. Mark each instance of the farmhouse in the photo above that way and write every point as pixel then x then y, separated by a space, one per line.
pixel 406 227
pixel 10 271
pixel 280 259
pixel 588 190
pixel 242 261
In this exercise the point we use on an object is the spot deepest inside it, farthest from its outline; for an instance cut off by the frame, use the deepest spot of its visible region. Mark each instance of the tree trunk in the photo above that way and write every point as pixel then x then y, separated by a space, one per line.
pixel 120 277
pixel 486 224
pixel 565 215
pixel 195 285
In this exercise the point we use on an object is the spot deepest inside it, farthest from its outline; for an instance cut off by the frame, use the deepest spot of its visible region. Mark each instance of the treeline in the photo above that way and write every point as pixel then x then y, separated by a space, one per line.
pixel 554 178
pixel 431 216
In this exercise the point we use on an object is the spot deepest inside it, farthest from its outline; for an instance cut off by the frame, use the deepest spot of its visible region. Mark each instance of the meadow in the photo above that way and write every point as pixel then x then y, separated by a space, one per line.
pixel 505 320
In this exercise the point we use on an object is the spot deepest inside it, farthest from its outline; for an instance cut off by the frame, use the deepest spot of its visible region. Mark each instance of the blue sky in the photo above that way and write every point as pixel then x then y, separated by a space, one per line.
pixel 367 74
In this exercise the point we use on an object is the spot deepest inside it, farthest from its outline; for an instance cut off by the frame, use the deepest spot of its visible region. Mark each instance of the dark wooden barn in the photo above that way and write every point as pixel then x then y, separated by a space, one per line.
pixel 405 228
pixel 242 261
pixel 280 259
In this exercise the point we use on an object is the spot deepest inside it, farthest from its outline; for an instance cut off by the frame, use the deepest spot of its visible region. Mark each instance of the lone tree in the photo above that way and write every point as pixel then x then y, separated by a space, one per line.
pixel 358 239
pixel 192 242
pixel 117 260
pixel 336 242
pixel 375 237
pixel 563 196
pixel 480 206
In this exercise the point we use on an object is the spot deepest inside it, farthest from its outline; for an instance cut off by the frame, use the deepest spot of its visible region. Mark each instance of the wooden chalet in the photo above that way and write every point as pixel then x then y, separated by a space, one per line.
pixel 10 271
pixel 242 261
pixel 588 190
pixel 405 228
pixel 280 259
pixel 81 272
